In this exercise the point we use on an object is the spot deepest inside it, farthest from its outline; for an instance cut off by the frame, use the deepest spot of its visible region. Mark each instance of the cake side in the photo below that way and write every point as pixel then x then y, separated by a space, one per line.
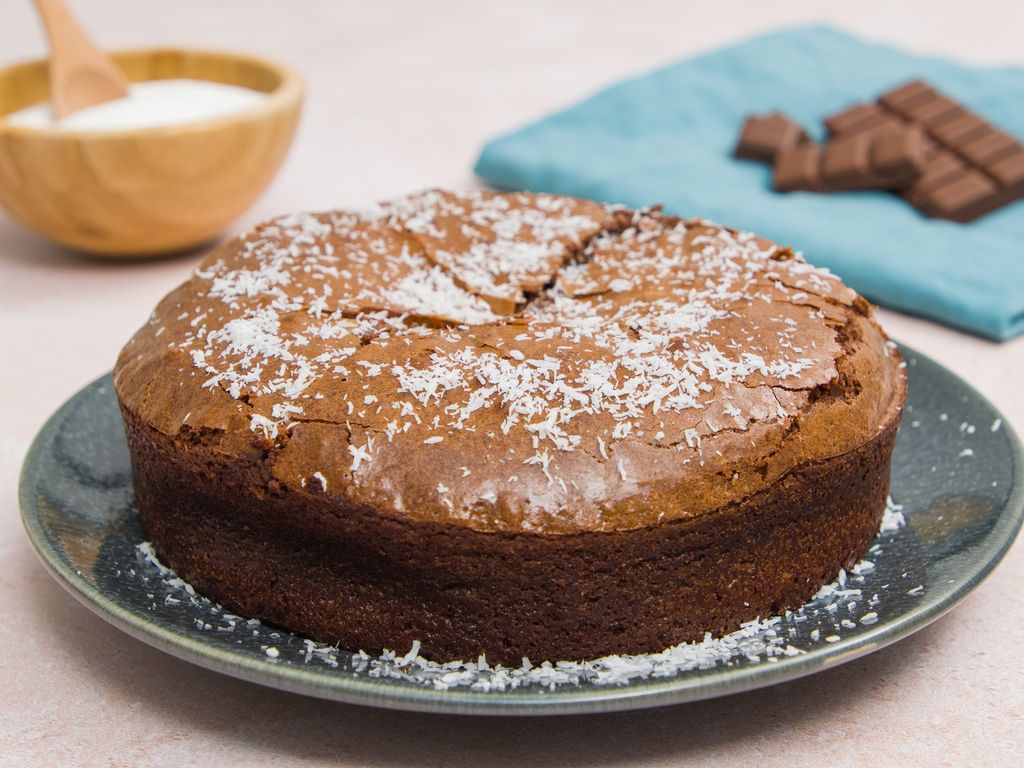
pixel 345 575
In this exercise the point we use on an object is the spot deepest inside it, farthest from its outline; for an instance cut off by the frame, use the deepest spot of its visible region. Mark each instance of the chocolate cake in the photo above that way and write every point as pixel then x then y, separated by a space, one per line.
pixel 511 424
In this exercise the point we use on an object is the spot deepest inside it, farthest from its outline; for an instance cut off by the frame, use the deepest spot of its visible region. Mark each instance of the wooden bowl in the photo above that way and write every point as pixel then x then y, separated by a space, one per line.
pixel 147 191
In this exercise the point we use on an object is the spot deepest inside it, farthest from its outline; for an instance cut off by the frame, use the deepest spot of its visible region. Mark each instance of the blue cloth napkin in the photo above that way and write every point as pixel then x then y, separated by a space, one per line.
pixel 667 137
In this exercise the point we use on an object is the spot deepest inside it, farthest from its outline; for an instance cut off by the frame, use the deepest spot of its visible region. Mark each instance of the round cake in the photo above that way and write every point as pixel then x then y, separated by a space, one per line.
pixel 515 425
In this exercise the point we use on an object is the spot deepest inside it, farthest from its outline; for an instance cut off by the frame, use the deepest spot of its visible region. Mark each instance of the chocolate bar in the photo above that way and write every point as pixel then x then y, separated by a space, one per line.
pixel 946 161
pixel 972 167
pixel 764 136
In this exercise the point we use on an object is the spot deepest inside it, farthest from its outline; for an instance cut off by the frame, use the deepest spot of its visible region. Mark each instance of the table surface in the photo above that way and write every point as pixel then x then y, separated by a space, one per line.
pixel 401 96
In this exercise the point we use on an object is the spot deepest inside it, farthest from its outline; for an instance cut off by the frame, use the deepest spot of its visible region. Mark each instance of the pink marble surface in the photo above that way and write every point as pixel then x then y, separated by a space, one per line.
pixel 401 96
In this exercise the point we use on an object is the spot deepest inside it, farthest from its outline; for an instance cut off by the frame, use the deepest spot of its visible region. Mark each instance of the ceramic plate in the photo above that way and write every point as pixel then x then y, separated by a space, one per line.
pixel 957 474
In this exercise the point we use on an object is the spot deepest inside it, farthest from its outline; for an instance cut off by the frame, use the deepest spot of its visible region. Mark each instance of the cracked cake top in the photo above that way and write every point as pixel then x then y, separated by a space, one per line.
pixel 514 362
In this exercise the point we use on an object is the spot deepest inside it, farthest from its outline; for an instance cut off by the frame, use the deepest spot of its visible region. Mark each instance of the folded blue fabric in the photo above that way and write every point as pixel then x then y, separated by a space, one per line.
pixel 667 137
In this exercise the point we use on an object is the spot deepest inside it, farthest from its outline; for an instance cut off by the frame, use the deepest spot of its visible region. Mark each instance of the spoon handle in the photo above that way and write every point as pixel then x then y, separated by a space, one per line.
pixel 80 74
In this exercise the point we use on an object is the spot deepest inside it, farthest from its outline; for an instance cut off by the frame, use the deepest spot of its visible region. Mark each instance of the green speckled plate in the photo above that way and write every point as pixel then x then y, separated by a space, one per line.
pixel 957 472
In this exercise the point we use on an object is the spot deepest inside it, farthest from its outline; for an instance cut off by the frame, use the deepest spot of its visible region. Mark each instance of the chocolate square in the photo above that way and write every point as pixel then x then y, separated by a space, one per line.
pixel 1008 171
pixel 940 168
pixel 798 168
pixel 859 117
pixel 964 198
pixel 906 96
pixel 959 130
pixel 988 147
pixel 935 111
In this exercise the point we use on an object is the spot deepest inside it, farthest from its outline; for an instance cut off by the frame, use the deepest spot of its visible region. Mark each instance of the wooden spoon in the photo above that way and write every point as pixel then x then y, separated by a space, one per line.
pixel 80 74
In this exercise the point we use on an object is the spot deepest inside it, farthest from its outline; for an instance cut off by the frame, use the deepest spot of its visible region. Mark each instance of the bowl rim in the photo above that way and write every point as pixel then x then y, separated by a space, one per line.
pixel 288 93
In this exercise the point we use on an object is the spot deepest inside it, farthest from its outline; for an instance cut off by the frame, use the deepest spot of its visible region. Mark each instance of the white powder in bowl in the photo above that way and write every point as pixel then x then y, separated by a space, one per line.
pixel 147 105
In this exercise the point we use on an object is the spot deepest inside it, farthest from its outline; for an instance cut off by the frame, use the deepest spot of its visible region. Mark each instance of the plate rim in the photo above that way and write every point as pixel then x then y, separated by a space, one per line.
pixel 354 689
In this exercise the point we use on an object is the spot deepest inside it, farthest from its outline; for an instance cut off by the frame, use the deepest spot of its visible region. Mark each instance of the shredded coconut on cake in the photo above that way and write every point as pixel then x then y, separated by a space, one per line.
pixel 651 354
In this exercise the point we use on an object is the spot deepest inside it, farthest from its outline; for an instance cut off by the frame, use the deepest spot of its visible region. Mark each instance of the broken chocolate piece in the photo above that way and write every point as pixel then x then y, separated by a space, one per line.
pixel 764 136
pixel 891 157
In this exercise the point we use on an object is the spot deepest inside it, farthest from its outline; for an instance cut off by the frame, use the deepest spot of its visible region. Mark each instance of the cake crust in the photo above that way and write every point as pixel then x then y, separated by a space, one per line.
pixel 517 425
